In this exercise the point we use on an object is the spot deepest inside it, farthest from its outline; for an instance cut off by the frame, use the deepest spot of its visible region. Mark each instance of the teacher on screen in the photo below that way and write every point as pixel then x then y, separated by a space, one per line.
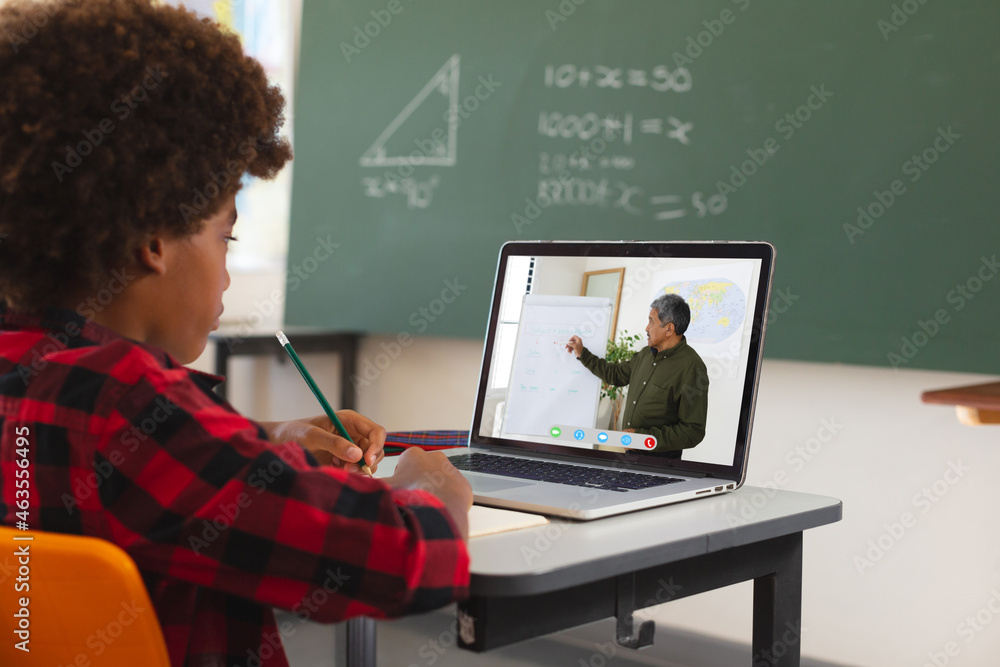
pixel 668 382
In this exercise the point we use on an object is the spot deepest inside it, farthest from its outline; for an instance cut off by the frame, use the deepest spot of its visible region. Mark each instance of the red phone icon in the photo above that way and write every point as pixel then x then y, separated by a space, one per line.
pixel 650 443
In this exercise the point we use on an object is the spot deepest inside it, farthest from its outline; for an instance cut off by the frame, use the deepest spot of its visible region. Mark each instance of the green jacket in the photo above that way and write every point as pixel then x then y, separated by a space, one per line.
pixel 667 393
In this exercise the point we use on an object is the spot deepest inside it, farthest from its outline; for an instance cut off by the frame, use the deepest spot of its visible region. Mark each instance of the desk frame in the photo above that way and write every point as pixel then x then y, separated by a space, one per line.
pixel 774 565
pixel 706 551
pixel 345 344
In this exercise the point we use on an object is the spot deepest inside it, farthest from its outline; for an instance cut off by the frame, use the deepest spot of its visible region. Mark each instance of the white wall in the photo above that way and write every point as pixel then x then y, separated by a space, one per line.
pixel 562 276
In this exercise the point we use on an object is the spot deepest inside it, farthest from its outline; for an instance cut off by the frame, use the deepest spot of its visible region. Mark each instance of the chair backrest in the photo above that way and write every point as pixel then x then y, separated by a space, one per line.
pixel 77 601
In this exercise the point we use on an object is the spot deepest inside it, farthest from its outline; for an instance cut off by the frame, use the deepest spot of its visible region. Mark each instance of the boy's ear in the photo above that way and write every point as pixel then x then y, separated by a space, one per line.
pixel 152 255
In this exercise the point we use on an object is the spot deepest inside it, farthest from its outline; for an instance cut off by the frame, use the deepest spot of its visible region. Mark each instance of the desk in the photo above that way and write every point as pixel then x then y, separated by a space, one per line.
pixel 975 404
pixel 231 342
pixel 537 581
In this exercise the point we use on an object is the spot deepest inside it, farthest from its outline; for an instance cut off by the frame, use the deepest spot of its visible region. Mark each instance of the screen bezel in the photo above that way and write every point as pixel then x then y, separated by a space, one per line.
pixel 759 250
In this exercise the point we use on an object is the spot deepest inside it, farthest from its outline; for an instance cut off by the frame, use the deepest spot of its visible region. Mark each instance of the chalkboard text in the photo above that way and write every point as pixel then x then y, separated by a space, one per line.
pixel 586 126
pixel 660 79
pixel 418 193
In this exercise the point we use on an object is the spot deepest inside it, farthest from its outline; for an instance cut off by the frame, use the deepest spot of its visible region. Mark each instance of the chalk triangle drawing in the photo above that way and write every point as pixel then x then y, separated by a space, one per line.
pixel 444 82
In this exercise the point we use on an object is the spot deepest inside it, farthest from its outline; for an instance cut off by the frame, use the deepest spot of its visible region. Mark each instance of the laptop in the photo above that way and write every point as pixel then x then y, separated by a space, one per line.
pixel 544 437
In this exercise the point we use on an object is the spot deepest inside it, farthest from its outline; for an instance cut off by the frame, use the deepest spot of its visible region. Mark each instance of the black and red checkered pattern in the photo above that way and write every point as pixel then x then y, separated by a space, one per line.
pixel 127 445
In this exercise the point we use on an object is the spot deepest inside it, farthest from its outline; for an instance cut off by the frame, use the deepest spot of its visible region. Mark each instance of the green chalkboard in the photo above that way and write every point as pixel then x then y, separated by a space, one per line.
pixel 859 137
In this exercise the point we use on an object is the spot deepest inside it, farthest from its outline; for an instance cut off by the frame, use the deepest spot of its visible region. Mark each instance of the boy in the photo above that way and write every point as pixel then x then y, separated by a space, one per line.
pixel 125 129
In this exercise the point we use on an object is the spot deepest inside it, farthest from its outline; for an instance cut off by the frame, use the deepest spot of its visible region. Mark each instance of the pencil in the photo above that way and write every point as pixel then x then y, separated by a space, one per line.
pixel 283 339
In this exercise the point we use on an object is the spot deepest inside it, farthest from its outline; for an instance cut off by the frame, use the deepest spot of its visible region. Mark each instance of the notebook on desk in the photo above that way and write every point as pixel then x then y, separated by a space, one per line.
pixel 541 438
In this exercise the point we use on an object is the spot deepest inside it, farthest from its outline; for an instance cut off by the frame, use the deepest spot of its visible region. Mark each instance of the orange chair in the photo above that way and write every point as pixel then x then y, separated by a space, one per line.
pixel 86 604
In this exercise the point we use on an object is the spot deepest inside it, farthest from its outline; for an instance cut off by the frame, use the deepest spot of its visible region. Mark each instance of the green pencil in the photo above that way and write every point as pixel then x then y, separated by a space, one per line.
pixel 283 339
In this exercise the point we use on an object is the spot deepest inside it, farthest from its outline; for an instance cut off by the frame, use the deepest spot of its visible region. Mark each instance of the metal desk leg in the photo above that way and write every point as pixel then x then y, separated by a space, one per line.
pixel 348 369
pixel 355 640
pixel 777 609
pixel 222 354
pixel 774 565
pixel 628 633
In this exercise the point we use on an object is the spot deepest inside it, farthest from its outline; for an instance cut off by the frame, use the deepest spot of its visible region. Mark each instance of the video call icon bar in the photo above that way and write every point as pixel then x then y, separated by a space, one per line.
pixel 580 435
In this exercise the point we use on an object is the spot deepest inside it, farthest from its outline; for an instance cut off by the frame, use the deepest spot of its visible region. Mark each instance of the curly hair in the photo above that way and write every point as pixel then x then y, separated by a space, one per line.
pixel 119 119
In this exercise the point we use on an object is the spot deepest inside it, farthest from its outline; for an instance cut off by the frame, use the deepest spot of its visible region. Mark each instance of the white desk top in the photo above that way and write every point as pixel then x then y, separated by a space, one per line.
pixel 574 552
pixel 565 553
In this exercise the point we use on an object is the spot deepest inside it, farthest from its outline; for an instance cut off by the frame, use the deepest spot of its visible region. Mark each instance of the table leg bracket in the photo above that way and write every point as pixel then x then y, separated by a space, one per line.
pixel 625 627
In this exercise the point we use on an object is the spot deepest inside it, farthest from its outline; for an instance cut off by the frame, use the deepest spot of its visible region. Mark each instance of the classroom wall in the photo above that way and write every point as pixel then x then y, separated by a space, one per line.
pixel 560 277
pixel 903 577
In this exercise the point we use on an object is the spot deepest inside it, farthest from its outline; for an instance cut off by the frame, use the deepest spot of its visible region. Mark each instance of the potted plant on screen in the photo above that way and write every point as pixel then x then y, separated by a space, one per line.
pixel 618 351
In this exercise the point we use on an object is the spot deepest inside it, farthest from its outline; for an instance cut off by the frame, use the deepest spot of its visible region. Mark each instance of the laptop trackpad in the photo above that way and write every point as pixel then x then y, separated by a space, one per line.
pixel 489 484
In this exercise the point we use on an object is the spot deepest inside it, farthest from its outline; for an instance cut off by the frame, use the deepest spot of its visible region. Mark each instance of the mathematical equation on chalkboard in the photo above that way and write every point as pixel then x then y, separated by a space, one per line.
pixel 597 142
pixel 418 193
pixel 586 126
pixel 620 195
pixel 660 78
pixel 399 149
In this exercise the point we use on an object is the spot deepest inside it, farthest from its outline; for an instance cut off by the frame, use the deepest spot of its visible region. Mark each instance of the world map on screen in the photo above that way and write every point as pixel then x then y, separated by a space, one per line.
pixel 718 307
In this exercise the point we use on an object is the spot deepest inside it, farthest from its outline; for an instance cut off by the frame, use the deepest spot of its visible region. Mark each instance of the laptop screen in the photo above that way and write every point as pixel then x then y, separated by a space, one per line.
pixel 698 369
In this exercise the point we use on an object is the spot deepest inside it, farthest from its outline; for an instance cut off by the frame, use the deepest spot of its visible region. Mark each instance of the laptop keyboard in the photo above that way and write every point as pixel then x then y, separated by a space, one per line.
pixel 560 473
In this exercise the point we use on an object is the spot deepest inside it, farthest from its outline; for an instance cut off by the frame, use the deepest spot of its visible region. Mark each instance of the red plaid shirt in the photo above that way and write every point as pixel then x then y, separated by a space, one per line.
pixel 127 445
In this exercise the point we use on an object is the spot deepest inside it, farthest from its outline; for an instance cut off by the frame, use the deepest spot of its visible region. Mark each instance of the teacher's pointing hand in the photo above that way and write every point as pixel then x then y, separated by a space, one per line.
pixel 575 345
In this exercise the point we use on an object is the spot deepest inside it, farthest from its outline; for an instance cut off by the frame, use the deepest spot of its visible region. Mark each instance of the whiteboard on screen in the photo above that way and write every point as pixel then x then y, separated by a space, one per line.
pixel 549 385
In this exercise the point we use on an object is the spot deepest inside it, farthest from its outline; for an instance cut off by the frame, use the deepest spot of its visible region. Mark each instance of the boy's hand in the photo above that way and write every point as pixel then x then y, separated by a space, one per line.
pixel 433 472
pixel 319 436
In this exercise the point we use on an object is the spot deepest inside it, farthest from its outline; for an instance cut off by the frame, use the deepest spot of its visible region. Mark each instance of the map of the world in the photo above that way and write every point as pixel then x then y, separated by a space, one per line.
pixel 718 307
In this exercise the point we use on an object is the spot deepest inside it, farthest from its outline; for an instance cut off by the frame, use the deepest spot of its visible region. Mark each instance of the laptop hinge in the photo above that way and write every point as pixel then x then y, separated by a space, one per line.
pixel 689 473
